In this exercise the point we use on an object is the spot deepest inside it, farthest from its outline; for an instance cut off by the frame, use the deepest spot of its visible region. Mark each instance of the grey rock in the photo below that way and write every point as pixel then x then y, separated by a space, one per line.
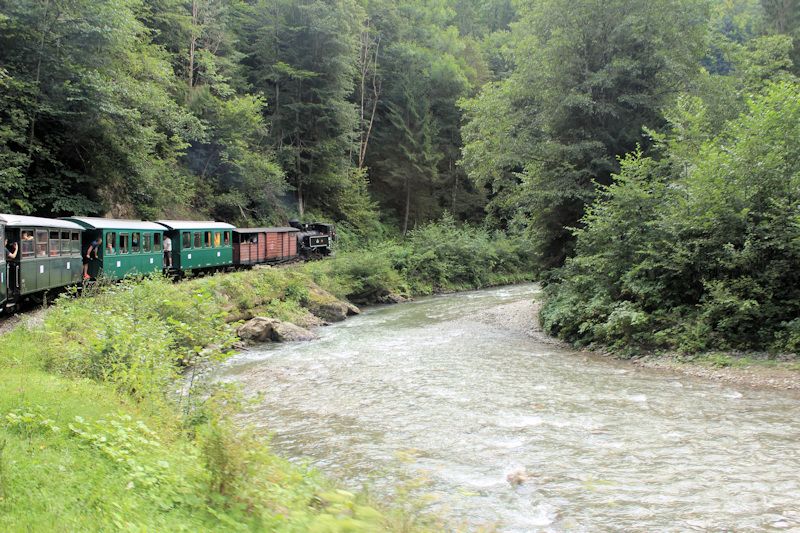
pixel 287 332
pixel 264 329
pixel 258 329
pixel 392 298
pixel 331 311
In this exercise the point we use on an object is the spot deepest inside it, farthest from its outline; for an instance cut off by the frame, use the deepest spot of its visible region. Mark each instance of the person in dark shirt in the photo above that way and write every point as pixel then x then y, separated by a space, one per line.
pixel 11 252
pixel 91 251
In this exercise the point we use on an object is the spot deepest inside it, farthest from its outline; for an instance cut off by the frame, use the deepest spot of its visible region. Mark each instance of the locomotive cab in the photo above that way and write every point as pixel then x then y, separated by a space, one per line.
pixel 315 238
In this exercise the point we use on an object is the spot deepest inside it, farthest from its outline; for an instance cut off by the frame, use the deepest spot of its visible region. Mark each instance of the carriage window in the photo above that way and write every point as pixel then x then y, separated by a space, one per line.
pixel 65 245
pixel 27 244
pixel 186 240
pixel 124 243
pixel 146 243
pixel 136 242
pixel 156 242
pixel 198 239
pixel 55 245
pixel 208 239
pixel 217 239
pixel 111 243
pixel 76 242
pixel 41 243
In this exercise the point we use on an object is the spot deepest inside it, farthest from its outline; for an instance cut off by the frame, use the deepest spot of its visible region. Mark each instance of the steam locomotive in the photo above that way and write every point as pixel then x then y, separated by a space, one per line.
pixel 315 238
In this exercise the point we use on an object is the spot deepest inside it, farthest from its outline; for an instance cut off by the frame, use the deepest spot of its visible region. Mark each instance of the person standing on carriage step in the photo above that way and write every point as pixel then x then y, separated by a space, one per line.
pixel 93 247
pixel 11 251
pixel 167 252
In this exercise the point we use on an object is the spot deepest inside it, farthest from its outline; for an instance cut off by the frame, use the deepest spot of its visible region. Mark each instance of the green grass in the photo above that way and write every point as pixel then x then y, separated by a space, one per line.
pixel 52 480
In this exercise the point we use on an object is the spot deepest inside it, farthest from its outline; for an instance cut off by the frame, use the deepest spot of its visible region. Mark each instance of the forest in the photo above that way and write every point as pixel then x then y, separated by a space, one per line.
pixel 643 154
pixel 631 167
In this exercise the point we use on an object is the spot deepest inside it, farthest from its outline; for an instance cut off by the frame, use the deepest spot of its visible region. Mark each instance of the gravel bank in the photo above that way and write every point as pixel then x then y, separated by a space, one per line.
pixel 522 317
pixel 752 375
pixel 31 319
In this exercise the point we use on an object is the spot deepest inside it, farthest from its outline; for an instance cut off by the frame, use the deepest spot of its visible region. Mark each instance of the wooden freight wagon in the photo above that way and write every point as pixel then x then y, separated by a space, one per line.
pixel 48 255
pixel 129 247
pixel 252 246
pixel 199 245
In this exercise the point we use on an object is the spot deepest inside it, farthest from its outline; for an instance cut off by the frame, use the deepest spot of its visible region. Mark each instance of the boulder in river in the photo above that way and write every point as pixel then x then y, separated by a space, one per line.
pixel 392 298
pixel 265 329
pixel 326 306
pixel 288 332
pixel 258 329
pixel 335 311
pixel 518 476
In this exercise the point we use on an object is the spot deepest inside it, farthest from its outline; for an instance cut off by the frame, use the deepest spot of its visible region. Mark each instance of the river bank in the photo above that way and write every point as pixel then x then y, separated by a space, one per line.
pixel 751 370
pixel 88 407
pixel 94 437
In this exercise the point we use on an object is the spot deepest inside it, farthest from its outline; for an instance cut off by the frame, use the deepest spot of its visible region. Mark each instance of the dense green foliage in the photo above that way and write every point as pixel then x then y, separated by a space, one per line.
pixel 697 249
pixel 243 110
pixel 587 77
pixel 650 149
pixel 439 256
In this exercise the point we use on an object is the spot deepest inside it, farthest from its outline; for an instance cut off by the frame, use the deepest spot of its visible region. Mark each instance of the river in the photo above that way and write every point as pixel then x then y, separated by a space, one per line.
pixel 432 388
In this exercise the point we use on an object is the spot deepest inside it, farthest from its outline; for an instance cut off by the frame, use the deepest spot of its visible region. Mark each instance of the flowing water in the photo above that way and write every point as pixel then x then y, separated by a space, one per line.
pixel 433 388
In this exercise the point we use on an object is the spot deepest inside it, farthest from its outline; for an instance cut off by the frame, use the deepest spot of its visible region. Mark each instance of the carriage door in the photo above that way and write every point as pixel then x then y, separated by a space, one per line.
pixel 3 270
pixel 12 279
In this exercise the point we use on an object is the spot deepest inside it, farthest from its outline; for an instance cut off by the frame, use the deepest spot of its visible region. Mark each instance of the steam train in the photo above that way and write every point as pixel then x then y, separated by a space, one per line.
pixel 44 254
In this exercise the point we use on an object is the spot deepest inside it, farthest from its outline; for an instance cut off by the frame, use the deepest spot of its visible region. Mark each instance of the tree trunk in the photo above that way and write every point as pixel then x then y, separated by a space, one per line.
pixel 369 63
pixel 408 205
pixel 192 43
pixel 455 187
pixel 45 28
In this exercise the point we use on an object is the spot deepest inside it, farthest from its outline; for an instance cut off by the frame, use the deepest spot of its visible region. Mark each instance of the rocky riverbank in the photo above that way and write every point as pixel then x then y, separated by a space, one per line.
pixel 323 309
pixel 741 369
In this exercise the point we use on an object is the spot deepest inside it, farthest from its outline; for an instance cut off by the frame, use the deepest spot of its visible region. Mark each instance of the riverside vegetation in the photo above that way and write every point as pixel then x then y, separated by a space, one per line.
pixel 646 152
pixel 641 159
pixel 102 427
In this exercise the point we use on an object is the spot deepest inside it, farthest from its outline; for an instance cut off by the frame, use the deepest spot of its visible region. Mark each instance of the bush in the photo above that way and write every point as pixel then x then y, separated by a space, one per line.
pixel 697 250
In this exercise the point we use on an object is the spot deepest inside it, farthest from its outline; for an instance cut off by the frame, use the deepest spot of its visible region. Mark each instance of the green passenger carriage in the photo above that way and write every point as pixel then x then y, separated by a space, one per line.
pixel 199 245
pixel 49 255
pixel 129 247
